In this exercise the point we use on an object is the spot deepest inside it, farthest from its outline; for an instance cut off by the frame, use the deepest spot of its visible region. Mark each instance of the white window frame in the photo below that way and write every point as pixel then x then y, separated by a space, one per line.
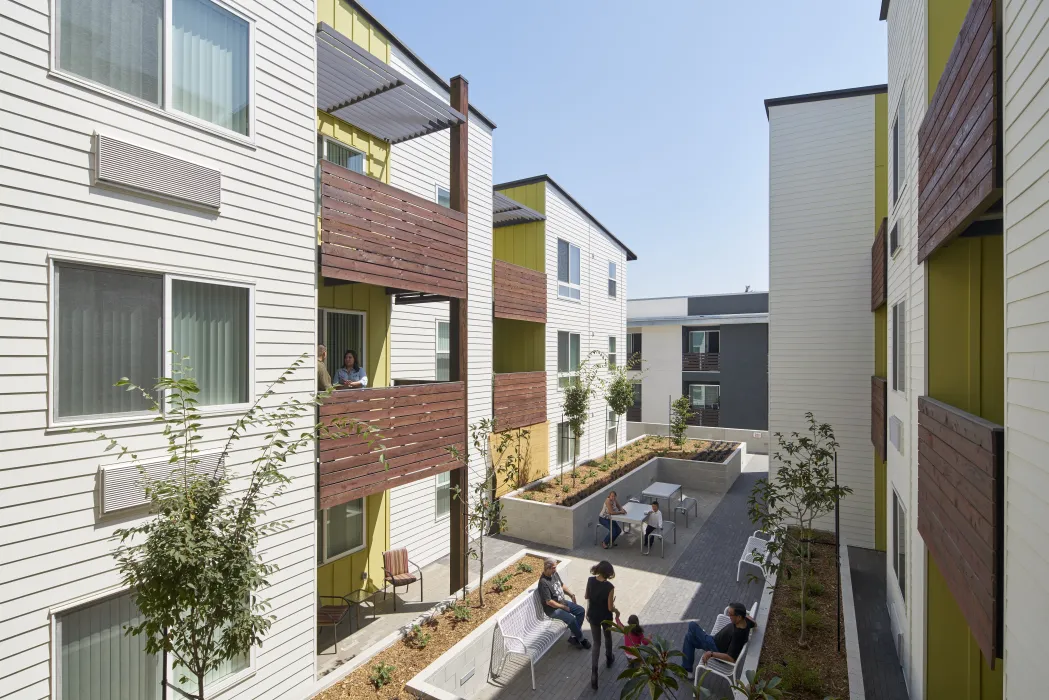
pixel 571 285
pixel 363 350
pixel 572 446
pixel 611 426
pixel 706 340
pixel 613 352
pixel 437 343
pixel 899 534
pixel 323 155
pixel 437 187
pixel 894 238
pixel 323 518
pixel 54 422
pixel 437 486
pixel 170 691
pixel 613 279
pixel 899 346
pixel 165 109
pixel 898 171
pixel 569 374
pixel 699 384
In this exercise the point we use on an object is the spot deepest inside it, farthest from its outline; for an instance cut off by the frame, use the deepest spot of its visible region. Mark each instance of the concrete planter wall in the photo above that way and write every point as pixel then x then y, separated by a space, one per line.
pixel 462 670
pixel 569 527
pixel 757 441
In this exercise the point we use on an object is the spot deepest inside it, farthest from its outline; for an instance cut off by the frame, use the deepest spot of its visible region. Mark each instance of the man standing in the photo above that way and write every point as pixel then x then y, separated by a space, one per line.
pixel 726 645
pixel 552 592
pixel 323 378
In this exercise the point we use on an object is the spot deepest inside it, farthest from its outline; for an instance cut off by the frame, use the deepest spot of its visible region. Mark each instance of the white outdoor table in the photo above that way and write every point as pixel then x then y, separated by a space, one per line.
pixel 635 515
pixel 661 489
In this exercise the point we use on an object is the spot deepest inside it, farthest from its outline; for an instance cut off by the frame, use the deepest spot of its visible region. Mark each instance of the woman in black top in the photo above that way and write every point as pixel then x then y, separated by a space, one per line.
pixel 600 608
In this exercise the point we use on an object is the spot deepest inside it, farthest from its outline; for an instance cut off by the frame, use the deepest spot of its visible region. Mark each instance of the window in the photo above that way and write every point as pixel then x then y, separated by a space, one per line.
pixel 637 395
pixel 567 270
pixel 343 530
pixel 705 396
pixel 899 539
pixel 566 445
pixel 444 196
pixel 567 358
pixel 899 347
pixel 339 153
pixel 611 351
pixel 633 350
pixel 339 331
pixel 899 152
pixel 704 341
pixel 443 357
pixel 126 45
pixel 613 425
pixel 111 323
pixel 894 239
pixel 443 494
pixel 611 279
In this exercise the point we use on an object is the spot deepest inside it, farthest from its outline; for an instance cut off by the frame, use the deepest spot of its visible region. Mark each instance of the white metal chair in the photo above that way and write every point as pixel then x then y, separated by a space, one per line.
pixel 668 525
pixel 716 666
pixel 525 631
pixel 684 503
pixel 755 545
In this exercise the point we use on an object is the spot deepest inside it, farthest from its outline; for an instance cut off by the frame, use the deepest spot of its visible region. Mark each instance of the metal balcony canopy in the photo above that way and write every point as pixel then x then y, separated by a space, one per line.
pixel 507 212
pixel 358 88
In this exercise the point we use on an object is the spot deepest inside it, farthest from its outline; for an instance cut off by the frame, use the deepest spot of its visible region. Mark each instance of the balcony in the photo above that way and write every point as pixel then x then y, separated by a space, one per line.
pixel 879 393
pixel 708 417
pixel 519 399
pixel 960 512
pixel 416 425
pixel 700 362
pixel 520 292
pixel 879 269
pixel 377 234
pixel 959 142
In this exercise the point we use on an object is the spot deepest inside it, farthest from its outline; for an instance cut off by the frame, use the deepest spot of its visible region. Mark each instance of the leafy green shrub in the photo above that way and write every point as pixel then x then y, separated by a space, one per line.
pixel 501 583
pixel 418 638
pixel 461 612
pixel 382 674
pixel 798 676
pixel 815 588
pixel 813 620
pixel 524 567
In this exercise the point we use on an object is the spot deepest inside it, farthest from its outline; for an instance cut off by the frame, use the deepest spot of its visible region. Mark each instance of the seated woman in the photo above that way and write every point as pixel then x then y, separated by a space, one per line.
pixel 611 507
pixel 350 375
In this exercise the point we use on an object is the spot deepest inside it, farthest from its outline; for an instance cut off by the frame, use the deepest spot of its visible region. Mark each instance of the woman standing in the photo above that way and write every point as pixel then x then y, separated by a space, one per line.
pixel 350 375
pixel 600 609
pixel 611 507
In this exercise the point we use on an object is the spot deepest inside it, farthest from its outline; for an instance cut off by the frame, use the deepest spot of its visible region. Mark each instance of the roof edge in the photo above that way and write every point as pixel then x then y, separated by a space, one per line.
pixel 827 95
pixel 630 255
pixel 412 55
pixel 884 10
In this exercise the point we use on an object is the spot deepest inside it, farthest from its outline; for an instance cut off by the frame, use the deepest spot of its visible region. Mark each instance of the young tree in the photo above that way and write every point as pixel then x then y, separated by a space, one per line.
pixel 481 510
pixel 619 395
pixel 680 414
pixel 577 402
pixel 786 504
pixel 195 566
pixel 519 442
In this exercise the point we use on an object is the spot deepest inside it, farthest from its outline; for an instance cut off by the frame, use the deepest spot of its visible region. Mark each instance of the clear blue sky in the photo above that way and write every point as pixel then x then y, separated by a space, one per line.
pixel 649 114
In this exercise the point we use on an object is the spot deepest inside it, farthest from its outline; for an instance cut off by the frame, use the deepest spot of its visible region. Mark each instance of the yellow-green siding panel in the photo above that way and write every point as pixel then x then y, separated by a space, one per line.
pixel 349 22
pixel 519 346
pixel 881 341
pixel 881 158
pixel 375 303
pixel 376 151
pixel 344 575
pixel 944 22
pixel 523 244
pixel 534 454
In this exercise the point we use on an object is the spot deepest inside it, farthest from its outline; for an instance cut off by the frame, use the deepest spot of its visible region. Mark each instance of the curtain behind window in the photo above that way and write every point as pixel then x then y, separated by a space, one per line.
pixel 210 64
pixel 117 43
pixel 97 661
pixel 343 332
pixel 443 370
pixel 108 326
pixel 345 527
pixel 210 327
pixel 344 156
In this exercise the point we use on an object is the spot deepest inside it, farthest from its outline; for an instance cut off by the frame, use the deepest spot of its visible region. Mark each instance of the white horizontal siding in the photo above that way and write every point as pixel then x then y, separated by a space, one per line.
pixel 53 546
pixel 821 340
pixel 413 340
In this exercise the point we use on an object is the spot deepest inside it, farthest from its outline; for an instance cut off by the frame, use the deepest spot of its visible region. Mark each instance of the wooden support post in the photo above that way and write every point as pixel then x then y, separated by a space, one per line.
pixel 459 481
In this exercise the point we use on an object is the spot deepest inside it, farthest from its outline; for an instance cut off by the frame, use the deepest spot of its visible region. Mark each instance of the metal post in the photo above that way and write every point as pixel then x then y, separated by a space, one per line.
pixel 837 547
pixel 670 404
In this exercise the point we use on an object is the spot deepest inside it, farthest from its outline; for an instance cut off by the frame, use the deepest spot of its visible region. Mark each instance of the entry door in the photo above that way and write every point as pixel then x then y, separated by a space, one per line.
pixel 340 331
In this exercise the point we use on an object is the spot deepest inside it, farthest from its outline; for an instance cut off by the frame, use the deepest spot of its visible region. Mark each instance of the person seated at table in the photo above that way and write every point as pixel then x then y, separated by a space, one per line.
pixel 653 521
pixel 350 375
pixel 611 507
pixel 726 645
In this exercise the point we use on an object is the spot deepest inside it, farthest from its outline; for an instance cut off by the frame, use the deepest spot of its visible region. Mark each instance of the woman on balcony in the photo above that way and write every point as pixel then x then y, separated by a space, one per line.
pixel 350 375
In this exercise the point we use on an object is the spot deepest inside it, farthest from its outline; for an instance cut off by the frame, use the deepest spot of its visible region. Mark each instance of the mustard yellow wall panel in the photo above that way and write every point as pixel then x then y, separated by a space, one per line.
pixel 518 346
pixel 944 22
pixel 535 455
pixel 376 151
pixel 523 244
pixel 349 22
pixel 375 303
pixel 344 575
pixel 881 341
pixel 881 158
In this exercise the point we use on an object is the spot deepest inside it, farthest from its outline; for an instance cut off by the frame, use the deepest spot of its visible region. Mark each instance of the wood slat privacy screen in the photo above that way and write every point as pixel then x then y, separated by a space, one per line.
pixel 416 425
pixel 960 516
pixel 377 234
pixel 959 168
pixel 879 257
pixel 879 393
pixel 519 399
pixel 520 292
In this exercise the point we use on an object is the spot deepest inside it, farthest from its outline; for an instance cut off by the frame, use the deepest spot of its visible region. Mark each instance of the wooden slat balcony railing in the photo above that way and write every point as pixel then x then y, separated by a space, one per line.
pixel 879 268
pixel 960 512
pixel 633 414
pixel 879 394
pixel 416 425
pixel 959 161
pixel 519 399
pixel 700 362
pixel 520 292
pixel 377 234
pixel 709 417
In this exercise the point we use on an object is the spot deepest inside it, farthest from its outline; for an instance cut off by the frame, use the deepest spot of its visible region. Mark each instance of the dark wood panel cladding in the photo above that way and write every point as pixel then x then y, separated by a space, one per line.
pixel 520 292
pixel 709 417
pixel 960 501
pixel 700 362
pixel 959 142
pixel 377 234
pixel 879 394
pixel 519 399
pixel 416 425
pixel 879 267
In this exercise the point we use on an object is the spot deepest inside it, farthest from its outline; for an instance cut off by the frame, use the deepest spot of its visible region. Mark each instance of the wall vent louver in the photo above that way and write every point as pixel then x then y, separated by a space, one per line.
pixel 896 433
pixel 123 487
pixel 130 167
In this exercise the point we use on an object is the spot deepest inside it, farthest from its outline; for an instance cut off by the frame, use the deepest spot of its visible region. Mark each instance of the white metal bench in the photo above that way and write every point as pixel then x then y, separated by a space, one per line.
pixel 526 631
pixel 716 666
pixel 756 544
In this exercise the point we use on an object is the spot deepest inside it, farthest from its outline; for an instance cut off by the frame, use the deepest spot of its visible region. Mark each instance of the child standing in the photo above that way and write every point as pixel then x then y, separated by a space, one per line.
pixel 634 637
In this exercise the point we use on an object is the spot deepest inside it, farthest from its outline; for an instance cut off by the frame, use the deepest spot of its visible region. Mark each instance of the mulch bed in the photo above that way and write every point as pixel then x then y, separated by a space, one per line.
pixel 445 632
pixel 818 671
pixel 594 475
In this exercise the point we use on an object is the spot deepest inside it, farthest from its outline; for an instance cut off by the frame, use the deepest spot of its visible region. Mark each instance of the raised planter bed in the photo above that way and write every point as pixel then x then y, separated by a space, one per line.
pixel 570 522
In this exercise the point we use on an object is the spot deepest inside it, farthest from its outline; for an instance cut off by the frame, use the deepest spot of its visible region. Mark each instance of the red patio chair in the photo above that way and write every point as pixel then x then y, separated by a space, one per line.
pixel 398 572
